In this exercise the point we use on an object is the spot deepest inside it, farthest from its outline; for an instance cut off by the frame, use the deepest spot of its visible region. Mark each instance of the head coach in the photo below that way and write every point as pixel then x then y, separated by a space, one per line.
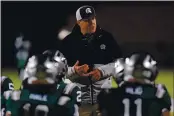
pixel 88 45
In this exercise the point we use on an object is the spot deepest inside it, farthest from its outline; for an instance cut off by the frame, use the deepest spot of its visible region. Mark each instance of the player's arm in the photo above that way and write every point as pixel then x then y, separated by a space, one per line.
pixel 166 113
pixel 77 94
pixel 12 103
pixel 2 111
pixel 166 104
pixel 165 99
pixel 4 98
pixel 8 106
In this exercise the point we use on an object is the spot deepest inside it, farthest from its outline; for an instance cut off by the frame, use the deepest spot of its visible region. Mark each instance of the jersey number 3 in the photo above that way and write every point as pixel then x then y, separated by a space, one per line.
pixel 137 102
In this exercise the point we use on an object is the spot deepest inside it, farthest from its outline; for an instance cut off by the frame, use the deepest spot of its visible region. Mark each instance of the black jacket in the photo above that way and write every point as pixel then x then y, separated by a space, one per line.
pixel 98 48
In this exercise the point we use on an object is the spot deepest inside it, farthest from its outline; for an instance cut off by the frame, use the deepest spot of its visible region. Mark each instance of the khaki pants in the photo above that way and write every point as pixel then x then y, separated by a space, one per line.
pixel 88 110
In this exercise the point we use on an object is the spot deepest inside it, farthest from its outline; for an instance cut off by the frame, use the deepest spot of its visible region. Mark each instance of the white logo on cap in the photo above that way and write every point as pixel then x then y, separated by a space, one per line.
pixel 88 10
pixel 103 46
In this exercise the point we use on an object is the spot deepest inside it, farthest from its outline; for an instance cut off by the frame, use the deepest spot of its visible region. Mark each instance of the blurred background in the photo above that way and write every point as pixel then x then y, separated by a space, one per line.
pixel 147 26
pixel 135 25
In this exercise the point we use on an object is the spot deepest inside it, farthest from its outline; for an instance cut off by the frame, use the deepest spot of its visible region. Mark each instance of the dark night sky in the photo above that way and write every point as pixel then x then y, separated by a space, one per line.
pixel 39 22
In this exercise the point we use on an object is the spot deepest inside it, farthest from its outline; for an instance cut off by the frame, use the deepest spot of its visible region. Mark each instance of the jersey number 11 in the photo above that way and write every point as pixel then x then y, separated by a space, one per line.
pixel 137 102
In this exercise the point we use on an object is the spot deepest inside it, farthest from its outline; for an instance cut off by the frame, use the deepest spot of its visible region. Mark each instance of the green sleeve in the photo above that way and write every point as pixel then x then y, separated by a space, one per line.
pixel 9 104
pixel 76 95
pixel 13 105
pixel 166 99
pixel 163 101
pixel 2 100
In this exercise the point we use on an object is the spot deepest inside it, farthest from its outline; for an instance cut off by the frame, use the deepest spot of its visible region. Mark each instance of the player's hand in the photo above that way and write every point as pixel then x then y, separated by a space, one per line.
pixel 166 113
pixel 81 70
pixel 98 113
pixel 8 113
pixel 95 74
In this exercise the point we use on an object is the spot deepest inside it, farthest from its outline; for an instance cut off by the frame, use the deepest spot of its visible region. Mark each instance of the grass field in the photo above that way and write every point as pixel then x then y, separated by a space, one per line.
pixel 165 77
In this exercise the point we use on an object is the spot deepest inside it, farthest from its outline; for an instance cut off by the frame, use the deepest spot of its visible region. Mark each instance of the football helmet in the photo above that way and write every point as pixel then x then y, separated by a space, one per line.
pixel 47 65
pixel 140 66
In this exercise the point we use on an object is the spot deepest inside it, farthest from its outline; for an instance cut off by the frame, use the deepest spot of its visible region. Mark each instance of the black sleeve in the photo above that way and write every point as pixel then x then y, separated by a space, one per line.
pixel 115 50
pixel 102 100
pixel 67 50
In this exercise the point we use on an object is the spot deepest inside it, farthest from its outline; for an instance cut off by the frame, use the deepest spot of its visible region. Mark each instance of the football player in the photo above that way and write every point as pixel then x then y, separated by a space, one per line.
pixel 6 88
pixel 65 84
pixel 68 87
pixel 138 95
pixel 44 93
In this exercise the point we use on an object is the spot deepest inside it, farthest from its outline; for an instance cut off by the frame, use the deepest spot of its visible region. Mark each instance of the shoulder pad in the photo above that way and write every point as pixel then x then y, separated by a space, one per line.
pixel 3 78
pixel 67 81
pixel 69 88
pixel 15 95
pixel 7 94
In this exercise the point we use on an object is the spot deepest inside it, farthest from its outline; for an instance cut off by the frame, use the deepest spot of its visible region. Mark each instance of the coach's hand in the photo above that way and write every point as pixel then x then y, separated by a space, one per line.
pixel 81 70
pixel 95 74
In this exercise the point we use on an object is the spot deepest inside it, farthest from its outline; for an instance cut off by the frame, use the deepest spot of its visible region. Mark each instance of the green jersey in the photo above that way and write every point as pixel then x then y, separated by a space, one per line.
pixel 34 104
pixel 3 101
pixel 38 100
pixel 6 88
pixel 135 100
pixel 71 90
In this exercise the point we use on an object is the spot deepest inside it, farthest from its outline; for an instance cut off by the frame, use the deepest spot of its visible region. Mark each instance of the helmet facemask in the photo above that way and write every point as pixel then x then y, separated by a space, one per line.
pixel 50 66
pixel 119 70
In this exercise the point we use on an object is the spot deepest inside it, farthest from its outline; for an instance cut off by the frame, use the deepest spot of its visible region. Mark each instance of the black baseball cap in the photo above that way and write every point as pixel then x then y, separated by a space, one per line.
pixel 85 12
